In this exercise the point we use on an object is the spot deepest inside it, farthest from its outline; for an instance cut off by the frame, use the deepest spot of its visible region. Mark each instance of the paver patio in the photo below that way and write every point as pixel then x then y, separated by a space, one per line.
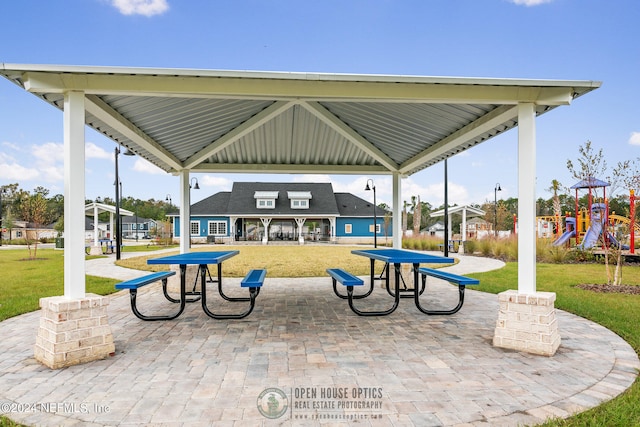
pixel 410 369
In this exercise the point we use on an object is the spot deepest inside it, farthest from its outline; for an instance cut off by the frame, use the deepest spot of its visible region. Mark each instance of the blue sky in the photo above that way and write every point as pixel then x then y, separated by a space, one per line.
pixel 541 39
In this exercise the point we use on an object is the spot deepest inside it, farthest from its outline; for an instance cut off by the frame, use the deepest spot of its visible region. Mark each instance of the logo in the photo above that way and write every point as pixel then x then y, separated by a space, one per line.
pixel 273 403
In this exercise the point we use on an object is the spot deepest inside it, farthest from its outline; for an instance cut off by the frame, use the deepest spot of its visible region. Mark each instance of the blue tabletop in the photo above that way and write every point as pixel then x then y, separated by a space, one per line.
pixel 402 256
pixel 195 258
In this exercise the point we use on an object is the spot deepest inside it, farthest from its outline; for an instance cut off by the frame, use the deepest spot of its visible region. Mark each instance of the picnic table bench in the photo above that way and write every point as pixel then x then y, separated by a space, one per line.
pixel 456 279
pixel 134 284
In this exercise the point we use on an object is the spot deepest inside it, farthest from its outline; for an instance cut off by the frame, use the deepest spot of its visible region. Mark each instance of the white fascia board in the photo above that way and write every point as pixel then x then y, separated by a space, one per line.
pixel 290 169
pixel 291 86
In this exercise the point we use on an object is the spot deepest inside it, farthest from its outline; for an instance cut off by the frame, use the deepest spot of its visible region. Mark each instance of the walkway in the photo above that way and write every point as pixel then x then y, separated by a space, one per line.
pixel 304 348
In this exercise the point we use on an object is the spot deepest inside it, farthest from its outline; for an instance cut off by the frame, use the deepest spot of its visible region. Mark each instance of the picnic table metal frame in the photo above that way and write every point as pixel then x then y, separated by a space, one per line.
pixel 202 260
pixel 397 257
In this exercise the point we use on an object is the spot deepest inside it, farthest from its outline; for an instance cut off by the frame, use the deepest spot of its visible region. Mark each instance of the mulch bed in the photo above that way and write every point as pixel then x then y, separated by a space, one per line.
pixel 619 289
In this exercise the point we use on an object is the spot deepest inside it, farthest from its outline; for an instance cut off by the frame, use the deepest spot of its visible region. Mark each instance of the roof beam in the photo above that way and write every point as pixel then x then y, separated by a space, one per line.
pixel 232 136
pixel 483 124
pixel 290 168
pixel 351 135
pixel 112 118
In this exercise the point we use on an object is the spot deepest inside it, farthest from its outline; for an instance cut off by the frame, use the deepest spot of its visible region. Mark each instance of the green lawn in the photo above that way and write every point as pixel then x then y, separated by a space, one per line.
pixel 24 282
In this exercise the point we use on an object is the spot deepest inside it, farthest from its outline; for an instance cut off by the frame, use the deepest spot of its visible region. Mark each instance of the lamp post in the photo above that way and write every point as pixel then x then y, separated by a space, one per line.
pixel 195 187
pixel 495 209
pixel 168 199
pixel 375 221
pixel 117 183
pixel 1 192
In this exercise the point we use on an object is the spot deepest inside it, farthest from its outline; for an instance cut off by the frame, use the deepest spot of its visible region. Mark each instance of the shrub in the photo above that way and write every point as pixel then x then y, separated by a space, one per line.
pixel 470 246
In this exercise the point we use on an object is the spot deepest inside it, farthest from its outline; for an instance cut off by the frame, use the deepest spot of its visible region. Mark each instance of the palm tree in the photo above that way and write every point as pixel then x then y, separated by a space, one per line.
pixel 555 186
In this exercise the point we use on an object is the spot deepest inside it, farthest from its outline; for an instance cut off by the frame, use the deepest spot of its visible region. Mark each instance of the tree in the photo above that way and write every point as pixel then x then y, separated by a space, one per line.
pixel 417 217
pixel 555 186
pixel 34 209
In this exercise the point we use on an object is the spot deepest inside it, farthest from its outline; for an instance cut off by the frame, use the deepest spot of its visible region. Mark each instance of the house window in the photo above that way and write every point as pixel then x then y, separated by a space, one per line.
pixel 265 199
pixel 299 199
pixel 347 228
pixel 195 228
pixel 217 228
pixel 377 228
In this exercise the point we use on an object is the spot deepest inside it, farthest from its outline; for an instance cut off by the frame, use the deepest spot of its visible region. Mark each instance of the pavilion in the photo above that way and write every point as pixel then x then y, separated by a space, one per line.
pixel 211 121
pixel 94 209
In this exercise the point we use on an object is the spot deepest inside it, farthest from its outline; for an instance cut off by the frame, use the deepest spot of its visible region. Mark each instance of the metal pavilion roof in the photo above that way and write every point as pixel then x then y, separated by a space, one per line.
pixel 270 122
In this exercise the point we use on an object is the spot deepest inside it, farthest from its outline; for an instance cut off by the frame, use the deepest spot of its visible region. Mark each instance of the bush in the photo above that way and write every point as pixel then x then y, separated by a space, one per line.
pixel 470 246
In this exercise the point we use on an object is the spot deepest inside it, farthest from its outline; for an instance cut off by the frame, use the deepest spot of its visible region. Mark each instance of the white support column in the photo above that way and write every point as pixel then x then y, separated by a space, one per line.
pixel 185 213
pixel 300 222
pixel 74 270
pixel 396 221
pixel 332 231
pixel 265 223
pixel 95 225
pixel 526 319
pixel 526 198
pixel 73 328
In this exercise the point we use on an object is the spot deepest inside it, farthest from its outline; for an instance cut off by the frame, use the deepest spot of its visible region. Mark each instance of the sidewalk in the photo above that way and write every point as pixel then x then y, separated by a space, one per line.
pixel 305 347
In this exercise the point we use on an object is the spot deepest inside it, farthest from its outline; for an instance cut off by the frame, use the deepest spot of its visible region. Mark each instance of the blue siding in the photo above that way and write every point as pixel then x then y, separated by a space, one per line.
pixel 359 227
pixel 204 225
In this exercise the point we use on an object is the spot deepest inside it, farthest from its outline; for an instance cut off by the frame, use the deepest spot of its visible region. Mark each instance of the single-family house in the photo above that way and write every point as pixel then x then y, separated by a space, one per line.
pixel 267 211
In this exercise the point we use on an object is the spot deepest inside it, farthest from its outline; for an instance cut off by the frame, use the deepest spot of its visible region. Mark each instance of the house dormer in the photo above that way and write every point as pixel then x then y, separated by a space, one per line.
pixel 299 199
pixel 265 199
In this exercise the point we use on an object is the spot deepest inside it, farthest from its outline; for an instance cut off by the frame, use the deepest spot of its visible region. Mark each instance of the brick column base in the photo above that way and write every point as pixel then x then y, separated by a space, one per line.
pixel 527 322
pixel 73 331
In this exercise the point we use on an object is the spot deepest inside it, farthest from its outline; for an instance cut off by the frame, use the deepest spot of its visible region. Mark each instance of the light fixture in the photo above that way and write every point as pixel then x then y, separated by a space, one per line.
pixel 195 187
pixel 375 220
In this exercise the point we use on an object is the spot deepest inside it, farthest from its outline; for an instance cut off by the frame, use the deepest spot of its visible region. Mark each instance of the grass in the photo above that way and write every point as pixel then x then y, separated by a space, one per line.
pixel 280 261
pixel 25 281
pixel 30 280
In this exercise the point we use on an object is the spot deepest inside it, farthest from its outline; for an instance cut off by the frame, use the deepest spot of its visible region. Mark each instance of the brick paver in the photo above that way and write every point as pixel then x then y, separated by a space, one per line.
pixel 333 367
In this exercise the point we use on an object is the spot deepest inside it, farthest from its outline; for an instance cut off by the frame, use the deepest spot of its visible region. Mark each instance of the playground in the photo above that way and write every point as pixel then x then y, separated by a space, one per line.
pixel 594 226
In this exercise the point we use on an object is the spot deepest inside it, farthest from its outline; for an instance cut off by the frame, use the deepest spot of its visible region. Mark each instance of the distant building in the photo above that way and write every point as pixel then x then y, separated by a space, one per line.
pixel 265 211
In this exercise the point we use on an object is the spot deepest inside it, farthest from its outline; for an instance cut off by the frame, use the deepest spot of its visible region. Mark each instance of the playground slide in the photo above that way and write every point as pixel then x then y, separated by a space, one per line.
pixel 591 236
pixel 615 242
pixel 564 238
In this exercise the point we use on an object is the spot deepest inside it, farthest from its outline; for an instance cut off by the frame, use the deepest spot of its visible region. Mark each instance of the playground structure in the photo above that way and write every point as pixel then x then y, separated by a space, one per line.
pixel 590 223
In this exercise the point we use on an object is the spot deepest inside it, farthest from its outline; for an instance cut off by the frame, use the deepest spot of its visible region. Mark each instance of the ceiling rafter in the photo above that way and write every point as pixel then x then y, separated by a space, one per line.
pixel 104 112
pixel 474 129
pixel 235 134
pixel 343 129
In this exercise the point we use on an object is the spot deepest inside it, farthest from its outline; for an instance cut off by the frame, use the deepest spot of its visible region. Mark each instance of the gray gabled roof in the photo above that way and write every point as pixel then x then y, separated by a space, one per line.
pixel 323 203
pixel 353 206
pixel 212 205
pixel 277 122
pixel 242 201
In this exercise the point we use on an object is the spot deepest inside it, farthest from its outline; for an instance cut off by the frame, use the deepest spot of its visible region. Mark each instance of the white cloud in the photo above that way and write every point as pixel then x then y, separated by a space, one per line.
pixel 221 184
pixel 48 153
pixel 49 161
pixel 14 171
pixel 11 145
pixel 634 139
pixel 530 2
pixel 92 151
pixel 144 166
pixel 141 7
